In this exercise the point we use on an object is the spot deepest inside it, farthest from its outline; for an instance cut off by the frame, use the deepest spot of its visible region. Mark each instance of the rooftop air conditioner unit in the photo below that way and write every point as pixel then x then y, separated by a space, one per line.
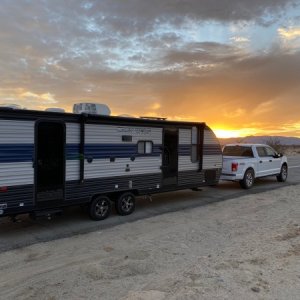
pixel 91 108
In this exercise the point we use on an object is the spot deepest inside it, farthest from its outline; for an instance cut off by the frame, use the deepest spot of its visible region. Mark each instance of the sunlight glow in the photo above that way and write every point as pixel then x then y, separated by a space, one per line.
pixel 233 133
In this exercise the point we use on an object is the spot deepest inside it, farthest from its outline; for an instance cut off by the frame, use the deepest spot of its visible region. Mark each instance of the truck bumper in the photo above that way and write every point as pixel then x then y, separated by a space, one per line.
pixel 231 177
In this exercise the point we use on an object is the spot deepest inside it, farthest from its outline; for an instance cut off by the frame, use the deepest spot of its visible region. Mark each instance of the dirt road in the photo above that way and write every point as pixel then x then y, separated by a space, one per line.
pixel 244 248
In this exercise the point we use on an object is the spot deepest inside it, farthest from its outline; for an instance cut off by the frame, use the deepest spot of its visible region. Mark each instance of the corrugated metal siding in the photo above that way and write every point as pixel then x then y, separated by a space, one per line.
pixel 211 158
pixel 16 132
pixel 184 159
pixel 210 138
pixel 72 133
pixel 16 166
pixel 185 136
pixel 109 134
pixel 197 179
pixel 72 151
pixel 186 178
pixel 212 161
pixel 101 168
pixel 112 135
pixel 185 164
pixel 20 173
pixel 72 170
pixel 90 187
pixel 18 197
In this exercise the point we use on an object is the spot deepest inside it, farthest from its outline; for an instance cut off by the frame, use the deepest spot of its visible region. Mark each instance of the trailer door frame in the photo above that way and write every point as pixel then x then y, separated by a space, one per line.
pixel 49 163
pixel 170 156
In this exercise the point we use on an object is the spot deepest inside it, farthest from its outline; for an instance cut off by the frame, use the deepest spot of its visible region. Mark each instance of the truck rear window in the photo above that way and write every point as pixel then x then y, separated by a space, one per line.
pixel 238 151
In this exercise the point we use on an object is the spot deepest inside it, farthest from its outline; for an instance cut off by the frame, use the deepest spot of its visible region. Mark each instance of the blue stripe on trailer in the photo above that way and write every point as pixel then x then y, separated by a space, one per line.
pixel 25 152
pixel 185 150
pixel 97 151
pixel 212 149
pixel 16 153
pixel 208 149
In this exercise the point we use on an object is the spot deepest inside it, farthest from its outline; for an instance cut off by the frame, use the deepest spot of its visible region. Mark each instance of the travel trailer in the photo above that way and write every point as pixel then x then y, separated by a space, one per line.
pixel 51 160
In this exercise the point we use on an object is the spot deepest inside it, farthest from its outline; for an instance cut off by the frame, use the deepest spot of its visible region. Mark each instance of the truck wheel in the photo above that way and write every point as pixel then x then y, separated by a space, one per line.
pixel 125 204
pixel 248 179
pixel 100 208
pixel 282 177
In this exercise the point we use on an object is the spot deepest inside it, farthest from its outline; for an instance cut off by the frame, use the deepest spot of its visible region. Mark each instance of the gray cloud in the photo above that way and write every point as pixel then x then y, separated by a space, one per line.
pixel 115 52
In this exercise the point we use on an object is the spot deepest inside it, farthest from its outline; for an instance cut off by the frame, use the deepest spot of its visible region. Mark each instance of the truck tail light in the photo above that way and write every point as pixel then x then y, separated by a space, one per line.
pixel 234 167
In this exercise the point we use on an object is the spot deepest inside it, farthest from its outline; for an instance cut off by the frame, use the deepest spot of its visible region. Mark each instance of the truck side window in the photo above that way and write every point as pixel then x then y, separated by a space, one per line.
pixel 261 151
pixel 270 151
pixel 145 147
pixel 194 153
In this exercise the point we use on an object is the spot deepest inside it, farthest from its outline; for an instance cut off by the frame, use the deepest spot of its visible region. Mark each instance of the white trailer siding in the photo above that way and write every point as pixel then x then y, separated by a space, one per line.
pixel 16 152
pixel 103 168
pixel 105 141
pixel 112 134
pixel 212 155
pixel 72 151
pixel 184 160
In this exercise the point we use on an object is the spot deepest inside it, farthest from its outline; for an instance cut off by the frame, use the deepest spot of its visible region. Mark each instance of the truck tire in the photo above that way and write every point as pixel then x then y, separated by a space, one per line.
pixel 125 204
pixel 282 177
pixel 100 208
pixel 248 179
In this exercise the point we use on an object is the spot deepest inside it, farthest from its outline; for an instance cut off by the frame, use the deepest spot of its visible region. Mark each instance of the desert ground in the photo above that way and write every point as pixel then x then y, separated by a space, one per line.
pixel 243 248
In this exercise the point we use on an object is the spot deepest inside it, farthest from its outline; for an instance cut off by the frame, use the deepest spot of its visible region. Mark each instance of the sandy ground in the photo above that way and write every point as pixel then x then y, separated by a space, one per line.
pixel 244 248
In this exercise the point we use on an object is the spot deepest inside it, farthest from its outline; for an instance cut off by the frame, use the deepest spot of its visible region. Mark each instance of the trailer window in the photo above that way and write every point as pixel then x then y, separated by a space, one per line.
pixel 145 147
pixel 126 138
pixel 194 153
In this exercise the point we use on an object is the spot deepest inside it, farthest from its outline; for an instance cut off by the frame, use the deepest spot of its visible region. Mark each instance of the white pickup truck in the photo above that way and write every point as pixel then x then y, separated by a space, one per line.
pixel 245 162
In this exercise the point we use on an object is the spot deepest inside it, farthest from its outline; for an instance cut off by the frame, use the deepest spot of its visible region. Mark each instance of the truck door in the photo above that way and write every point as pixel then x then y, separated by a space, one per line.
pixel 170 156
pixel 49 163
pixel 268 165
pixel 275 162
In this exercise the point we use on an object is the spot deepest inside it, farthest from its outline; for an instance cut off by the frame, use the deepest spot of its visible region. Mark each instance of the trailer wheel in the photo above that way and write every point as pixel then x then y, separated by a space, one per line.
pixel 100 208
pixel 248 179
pixel 125 204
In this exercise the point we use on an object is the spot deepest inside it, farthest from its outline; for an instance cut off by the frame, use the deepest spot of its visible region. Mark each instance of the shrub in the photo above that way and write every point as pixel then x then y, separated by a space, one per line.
pixel 274 142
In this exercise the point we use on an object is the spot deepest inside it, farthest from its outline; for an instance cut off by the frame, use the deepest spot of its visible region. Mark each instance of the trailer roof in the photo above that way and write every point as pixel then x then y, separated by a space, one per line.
pixel 71 117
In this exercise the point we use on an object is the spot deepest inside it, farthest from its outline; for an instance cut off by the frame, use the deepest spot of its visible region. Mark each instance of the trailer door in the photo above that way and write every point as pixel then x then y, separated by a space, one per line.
pixel 170 157
pixel 49 163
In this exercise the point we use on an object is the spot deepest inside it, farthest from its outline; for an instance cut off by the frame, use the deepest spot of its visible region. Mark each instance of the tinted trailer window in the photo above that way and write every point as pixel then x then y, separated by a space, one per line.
pixel 243 151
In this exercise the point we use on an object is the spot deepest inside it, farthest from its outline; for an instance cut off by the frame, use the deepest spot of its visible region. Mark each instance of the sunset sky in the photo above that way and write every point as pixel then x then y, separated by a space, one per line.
pixel 234 64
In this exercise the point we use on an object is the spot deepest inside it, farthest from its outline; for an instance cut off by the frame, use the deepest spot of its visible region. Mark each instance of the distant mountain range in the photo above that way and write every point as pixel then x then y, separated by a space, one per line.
pixel 283 140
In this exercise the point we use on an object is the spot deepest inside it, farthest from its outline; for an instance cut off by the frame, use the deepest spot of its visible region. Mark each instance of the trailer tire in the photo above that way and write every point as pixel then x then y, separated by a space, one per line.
pixel 125 204
pixel 100 208
pixel 248 180
pixel 282 177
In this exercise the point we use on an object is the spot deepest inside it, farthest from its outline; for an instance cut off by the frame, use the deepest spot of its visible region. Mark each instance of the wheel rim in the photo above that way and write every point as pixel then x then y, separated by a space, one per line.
pixel 101 208
pixel 127 203
pixel 249 179
pixel 284 172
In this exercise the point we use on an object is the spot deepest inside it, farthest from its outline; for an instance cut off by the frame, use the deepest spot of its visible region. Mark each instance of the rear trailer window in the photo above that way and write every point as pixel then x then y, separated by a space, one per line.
pixel 238 151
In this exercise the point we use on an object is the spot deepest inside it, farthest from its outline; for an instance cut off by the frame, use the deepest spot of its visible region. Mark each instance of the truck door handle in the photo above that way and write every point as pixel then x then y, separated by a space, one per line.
pixel 270 160
pixel 261 162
